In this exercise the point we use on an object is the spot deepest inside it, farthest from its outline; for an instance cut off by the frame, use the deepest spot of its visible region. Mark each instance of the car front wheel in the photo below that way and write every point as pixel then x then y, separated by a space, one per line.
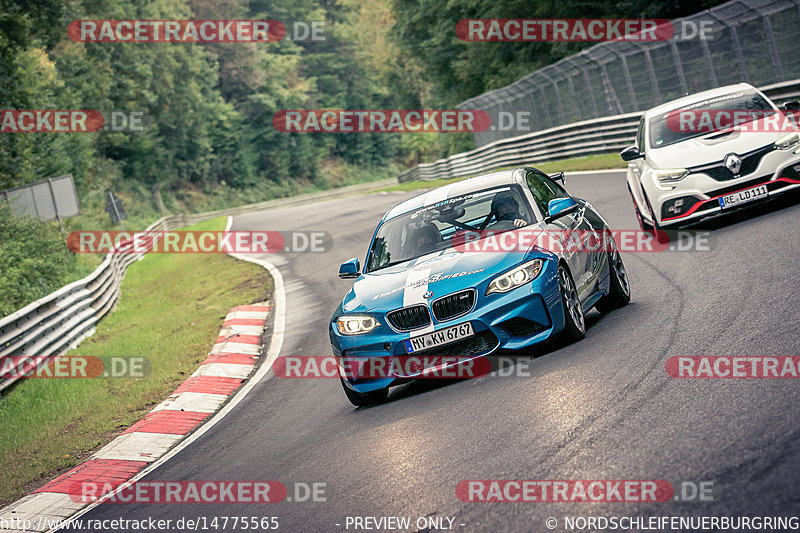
pixel 574 323
pixel 619 293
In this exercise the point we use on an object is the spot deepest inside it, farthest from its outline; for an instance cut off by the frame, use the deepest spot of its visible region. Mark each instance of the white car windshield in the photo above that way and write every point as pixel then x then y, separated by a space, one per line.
pixel 692 120
pixel 431 228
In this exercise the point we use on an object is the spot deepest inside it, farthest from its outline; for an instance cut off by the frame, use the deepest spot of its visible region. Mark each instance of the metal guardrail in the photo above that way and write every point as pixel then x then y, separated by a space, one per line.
pixel 596 136
pixel 58 322
pixel 754 41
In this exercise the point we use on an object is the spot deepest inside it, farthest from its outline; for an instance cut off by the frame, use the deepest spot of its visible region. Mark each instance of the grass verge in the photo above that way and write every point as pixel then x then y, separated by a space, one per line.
pixel 592 162
pixel 170 312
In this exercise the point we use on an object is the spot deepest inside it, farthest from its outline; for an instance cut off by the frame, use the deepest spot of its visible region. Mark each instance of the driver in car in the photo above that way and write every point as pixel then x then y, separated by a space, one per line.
pixel 506 209
pixel 424 239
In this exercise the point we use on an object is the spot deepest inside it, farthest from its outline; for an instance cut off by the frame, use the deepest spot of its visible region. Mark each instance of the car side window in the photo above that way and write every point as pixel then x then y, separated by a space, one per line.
pixel 544 189
pixel 640 136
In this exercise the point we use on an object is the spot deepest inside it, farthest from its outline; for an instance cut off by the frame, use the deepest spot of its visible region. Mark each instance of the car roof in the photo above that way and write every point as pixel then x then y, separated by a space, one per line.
pixel 697 97
pixel 495 179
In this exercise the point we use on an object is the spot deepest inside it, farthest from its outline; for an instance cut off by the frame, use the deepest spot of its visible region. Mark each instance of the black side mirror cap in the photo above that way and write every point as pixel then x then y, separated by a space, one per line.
pixel 630 153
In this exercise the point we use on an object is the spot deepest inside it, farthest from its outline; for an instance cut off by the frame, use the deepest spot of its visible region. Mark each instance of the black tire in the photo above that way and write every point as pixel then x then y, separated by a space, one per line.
pixel 363 399
pixel 574 321
pixel 654 228
pixel 619 294
pixel 659 233
pixel 642 224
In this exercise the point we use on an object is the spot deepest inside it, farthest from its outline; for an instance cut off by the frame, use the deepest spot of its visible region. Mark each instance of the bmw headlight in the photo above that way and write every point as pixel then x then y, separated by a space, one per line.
pixel 787 142
pixel 355 324
pixel 516 277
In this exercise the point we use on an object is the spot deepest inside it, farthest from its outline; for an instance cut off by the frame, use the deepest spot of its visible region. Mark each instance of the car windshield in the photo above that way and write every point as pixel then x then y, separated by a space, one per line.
pixel 431 228
pixel 708 116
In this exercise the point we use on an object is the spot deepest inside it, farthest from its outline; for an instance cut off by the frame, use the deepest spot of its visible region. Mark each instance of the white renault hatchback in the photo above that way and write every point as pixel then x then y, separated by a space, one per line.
pixel 711 152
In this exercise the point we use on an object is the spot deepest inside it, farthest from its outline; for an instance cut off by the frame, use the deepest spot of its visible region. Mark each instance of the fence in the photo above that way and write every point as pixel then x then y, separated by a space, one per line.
pixel 58 322
pixel 753 41
pixel 596 136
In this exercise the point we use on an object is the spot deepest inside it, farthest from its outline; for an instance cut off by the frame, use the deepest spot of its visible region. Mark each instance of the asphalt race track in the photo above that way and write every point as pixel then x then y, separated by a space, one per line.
pixel 603 408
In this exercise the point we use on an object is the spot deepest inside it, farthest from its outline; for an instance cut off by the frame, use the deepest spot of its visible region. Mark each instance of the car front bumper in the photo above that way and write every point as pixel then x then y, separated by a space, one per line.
pixel 779 171
pixel 517 319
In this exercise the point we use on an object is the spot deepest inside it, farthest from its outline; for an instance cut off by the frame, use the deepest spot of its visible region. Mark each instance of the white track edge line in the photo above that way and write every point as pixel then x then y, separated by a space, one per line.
pixel 276 341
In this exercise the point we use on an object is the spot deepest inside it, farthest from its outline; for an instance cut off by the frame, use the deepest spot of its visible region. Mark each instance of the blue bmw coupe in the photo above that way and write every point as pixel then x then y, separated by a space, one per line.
pixel 461 271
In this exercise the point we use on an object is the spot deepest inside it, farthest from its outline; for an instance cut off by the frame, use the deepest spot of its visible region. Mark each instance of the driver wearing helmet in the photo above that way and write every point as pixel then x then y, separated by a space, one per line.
pixel 506 208
pixel 424 239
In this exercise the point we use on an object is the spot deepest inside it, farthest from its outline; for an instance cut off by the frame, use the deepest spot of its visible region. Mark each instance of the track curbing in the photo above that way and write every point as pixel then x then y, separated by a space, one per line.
pixel 231 361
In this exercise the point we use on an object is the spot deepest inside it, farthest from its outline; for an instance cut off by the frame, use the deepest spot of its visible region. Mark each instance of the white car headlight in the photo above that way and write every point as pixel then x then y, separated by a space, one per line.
pixel 516 277
pixel 662 178
pixel 787 142
pixel 356 324
pixel 670 175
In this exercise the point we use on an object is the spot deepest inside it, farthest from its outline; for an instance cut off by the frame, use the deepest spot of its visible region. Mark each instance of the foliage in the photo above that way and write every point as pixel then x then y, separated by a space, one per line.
pixel 34 261
pixel 456 70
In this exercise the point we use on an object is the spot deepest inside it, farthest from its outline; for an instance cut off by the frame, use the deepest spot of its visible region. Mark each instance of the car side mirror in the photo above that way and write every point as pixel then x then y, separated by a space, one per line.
pixel 560 207
pixel 558 176
pixel 791 105
pixel 350 269
pixel 630 153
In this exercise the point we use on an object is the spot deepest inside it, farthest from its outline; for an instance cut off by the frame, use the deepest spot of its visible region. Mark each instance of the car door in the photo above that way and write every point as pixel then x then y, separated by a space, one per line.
pixel 572 226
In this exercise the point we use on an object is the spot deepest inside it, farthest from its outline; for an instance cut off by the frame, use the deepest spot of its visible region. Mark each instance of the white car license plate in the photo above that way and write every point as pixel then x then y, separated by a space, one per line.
pixel 439 338
pixel 741 197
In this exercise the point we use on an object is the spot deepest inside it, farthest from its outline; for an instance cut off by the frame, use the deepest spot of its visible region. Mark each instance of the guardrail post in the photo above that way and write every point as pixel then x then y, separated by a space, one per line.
pixel 55 208
pixel 773 49
pixel 652 72
pixel 628 81
pixel 712 74
pixel 737 47
pixel 595 111
pixel 676 56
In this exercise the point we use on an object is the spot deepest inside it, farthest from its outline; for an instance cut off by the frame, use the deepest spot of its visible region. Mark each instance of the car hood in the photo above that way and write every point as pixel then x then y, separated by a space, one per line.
pixel 440 272
pixel 710 148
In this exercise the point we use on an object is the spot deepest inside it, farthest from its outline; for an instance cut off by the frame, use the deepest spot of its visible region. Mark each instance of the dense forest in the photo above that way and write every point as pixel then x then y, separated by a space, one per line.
pixel 207 137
